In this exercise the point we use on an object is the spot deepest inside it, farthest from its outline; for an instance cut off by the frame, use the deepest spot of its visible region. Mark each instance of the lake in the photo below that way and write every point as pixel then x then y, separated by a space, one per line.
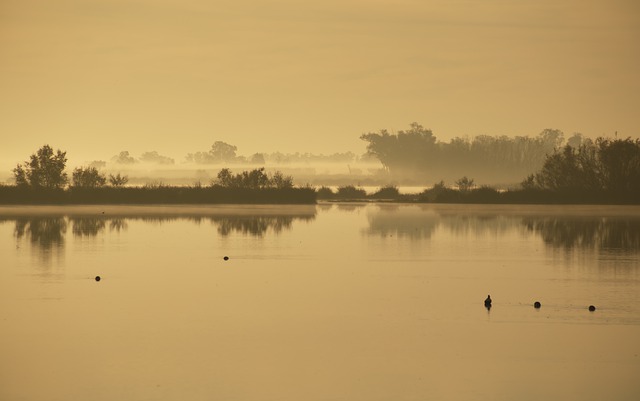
pixel 335 301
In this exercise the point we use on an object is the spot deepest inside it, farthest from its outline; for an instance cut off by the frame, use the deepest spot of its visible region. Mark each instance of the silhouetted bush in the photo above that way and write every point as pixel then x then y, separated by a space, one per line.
pixel 88 177
pixel 351 192
pixel 325 193
pixel 483 195
pixel 254 179
pixel 388 192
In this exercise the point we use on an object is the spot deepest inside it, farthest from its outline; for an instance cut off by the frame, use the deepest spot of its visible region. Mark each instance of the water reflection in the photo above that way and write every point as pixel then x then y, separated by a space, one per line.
pixel 421 222
pixel 87 226
pixel 617 233
pixel 613 234
pixel 255 225
pixel 46 232
pixel 350 207
pixel 391 220
pixel 118 225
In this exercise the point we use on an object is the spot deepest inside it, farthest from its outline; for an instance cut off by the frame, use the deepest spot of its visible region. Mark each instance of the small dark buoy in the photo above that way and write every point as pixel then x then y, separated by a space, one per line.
pixel 226 258
pixel 592 308
pixel 537 305
pixel 98 278
pixel 487 302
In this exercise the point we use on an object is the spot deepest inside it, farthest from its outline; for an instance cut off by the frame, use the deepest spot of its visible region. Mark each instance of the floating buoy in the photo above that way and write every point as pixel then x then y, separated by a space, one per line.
pixel 537 305
pixel 487 302
pixel 226 258
pixel 98 278
pixel 592 308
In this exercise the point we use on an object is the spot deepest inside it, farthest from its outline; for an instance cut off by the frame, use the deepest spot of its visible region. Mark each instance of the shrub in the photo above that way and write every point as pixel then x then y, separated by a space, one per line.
pixel 351 192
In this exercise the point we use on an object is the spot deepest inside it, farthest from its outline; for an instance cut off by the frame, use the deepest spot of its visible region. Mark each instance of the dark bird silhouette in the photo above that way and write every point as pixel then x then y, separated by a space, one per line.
pixel 487 302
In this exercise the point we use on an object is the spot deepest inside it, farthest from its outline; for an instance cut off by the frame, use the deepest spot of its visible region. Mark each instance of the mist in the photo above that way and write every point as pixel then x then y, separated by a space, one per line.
pixel 412 159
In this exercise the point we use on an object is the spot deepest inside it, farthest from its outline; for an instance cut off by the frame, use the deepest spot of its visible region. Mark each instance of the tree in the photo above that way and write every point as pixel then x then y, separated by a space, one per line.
pixel 88 177
pixel 351 192
pixel 254 179
pixel 118 180
pixel 222 151
pixel 529 183
pixel 155 157
pixel 225 178
pixel 257 158
pixel 551 138
pixel 575 140
pixel 465 184
pixel 123 158
pixel 619 164
pixel 281 181
pixel 606 165
pixel 409 151
pixel 98 164
pixel 571 169
pixel 45 169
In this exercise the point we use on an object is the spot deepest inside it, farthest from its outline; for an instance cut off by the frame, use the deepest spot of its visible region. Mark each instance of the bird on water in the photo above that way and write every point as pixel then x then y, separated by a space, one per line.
pixel 487 302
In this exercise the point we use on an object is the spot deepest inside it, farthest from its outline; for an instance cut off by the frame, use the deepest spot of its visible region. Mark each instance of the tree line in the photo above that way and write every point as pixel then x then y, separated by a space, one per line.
pixel 43 179
pixel 225 153
pixel 45 169
pixel 417 154
pixel 604 170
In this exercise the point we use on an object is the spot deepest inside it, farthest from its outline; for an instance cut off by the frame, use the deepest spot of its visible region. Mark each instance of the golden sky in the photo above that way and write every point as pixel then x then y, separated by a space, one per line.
pixel 94 77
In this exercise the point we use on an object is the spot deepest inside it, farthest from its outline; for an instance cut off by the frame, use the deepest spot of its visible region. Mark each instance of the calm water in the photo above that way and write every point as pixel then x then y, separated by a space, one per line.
pixel 327 302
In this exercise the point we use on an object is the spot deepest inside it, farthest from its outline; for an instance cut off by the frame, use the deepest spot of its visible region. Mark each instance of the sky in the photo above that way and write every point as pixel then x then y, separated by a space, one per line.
pixel 97 77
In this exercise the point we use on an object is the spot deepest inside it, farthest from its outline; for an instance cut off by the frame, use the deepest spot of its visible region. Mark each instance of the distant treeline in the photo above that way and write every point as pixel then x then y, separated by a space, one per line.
pixel 222 152
pixel 416 154
pixel 225 153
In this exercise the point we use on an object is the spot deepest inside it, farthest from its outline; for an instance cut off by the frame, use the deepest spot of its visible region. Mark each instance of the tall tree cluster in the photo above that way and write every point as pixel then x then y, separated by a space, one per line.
pixel 416 152
pixel 44 169
pixel 611 165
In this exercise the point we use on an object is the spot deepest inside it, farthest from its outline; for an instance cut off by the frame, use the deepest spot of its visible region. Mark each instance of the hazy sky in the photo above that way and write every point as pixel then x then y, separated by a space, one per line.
pixel 94 77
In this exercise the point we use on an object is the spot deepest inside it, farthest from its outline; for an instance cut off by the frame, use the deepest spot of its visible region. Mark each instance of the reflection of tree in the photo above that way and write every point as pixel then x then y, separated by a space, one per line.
pixel 254 225
pixel 48 232
pixel 597 233
pixel 118 225
pixel 419 223
pixel 87 226
pixel 617 234
pixel 479 224
pixel 44 232
pixel 350 207
pixel 402 222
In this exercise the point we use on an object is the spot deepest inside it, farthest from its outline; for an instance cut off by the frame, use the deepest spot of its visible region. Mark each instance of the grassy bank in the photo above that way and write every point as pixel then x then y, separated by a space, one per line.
pixel 155 195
